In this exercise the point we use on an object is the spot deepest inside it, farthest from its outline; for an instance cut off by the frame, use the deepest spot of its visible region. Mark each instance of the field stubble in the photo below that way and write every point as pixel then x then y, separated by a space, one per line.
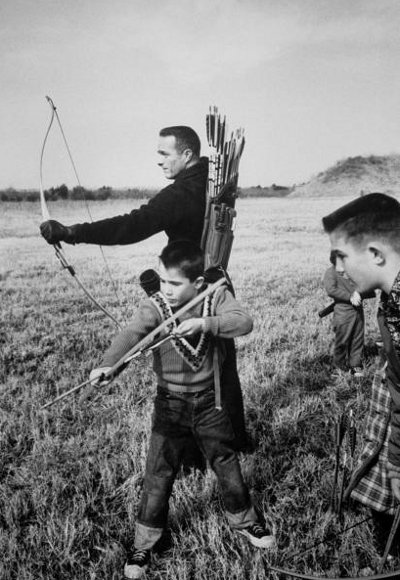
pixel 70 478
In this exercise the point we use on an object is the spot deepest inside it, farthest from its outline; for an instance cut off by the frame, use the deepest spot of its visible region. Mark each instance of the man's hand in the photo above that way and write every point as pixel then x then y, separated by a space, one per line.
pixel 190 327
pixel 54 232
pixel 395 483
pixel 355 299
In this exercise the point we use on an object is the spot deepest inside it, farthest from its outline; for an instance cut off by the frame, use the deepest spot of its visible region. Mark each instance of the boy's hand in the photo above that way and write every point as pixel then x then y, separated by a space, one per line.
pixel 355 299
pixel 190 327
pixel 96 377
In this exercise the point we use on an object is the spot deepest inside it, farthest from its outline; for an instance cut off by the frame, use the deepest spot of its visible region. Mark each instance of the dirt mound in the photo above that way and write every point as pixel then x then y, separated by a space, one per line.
pixel 354 176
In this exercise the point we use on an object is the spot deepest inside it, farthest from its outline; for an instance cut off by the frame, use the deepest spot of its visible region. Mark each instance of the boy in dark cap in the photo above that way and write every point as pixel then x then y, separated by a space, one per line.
pixel 365 238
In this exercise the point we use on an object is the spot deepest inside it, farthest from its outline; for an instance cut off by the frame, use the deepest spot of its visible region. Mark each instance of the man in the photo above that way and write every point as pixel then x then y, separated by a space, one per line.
pixel 365 237
pixel 178 210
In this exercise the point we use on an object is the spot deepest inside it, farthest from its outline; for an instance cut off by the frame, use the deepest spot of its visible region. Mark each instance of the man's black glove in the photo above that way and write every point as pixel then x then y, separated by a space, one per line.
pixel 54 232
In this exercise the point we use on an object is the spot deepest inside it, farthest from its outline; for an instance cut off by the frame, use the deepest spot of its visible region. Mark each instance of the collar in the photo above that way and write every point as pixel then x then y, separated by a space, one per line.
pixel 391 301
pixel 394 293
pixel 201 168
pixel 390 304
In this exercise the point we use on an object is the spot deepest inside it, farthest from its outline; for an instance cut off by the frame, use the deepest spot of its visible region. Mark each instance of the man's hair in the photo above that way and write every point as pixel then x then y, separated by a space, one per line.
pixel 374 214
pixel 186 256
pixel 185 137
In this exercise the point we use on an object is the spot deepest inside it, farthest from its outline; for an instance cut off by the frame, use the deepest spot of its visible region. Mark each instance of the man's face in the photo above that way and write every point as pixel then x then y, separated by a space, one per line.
pixel 356 261
pixel 176 288
pixel 172 162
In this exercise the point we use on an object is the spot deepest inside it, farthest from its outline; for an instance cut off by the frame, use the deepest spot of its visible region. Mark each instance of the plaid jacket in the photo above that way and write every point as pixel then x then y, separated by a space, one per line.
pixel 370 483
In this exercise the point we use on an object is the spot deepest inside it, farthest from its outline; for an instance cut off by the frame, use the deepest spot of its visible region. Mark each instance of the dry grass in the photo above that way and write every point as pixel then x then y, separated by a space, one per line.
pixel 70 478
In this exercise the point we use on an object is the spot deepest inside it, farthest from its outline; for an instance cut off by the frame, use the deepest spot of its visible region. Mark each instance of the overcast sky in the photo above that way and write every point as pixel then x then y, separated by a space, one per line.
pixel 311 81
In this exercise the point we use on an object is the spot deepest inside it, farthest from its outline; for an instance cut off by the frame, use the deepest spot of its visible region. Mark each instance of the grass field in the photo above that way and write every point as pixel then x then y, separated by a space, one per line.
pixel 70 477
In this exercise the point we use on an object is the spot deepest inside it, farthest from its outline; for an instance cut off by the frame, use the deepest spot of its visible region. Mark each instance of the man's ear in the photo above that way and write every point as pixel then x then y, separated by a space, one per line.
pixel 198 283
pixel 377 252
pixel 188 153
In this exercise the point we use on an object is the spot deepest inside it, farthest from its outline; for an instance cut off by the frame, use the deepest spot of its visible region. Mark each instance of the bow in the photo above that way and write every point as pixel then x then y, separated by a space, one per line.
pixel 109 377
pixel 147 344
pixel 292 574
pixel 46 214
pixel 379 575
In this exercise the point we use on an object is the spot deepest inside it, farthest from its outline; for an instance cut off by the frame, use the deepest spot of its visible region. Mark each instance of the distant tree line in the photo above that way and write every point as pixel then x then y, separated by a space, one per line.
pixel 259 191
pixel 62 192
pixel 76 193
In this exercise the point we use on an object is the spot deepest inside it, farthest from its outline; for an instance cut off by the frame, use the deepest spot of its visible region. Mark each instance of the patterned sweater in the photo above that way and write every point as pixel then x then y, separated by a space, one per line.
pixel 183 362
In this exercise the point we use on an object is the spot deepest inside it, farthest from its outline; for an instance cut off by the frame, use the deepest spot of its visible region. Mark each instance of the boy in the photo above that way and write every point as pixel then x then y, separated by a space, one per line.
pixel 348 318
pixel 365 237
pixel 185 401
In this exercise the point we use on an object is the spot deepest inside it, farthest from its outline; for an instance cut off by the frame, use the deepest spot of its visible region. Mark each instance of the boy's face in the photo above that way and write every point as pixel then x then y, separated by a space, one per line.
pixel 356 261
pixel 176 287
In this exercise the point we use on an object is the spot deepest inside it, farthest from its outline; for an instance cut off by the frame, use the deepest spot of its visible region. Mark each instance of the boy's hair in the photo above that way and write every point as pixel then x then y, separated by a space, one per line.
pixel 186 138
pixel 186 256
pixel 375 214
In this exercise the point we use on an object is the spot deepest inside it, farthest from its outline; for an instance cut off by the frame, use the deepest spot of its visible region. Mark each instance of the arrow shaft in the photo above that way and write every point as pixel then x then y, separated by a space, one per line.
pixel 151 341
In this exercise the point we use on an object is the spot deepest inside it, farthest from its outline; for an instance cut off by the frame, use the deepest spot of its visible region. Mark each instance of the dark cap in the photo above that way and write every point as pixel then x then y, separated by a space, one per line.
pixel 372 203
pixel 149 280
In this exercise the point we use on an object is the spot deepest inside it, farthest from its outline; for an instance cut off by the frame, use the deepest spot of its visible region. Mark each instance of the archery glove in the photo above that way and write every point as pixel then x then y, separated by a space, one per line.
pixel 54 232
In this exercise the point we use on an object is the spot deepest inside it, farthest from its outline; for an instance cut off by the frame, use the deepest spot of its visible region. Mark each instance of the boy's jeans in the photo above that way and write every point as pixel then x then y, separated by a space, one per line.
pixel 176 417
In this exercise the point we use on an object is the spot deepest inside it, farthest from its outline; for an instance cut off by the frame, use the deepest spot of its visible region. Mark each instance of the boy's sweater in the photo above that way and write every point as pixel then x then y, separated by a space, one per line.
pixel 183 361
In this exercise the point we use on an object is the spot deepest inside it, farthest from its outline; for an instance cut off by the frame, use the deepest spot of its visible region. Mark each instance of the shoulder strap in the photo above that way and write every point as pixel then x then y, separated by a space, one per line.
pixel 216 368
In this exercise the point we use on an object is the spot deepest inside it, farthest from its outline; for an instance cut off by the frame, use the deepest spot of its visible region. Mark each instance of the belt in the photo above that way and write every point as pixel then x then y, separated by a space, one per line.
pixel 184 389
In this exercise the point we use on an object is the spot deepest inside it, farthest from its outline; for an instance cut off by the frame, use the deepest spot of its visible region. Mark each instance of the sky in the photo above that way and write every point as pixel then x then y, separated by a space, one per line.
pixel 310 81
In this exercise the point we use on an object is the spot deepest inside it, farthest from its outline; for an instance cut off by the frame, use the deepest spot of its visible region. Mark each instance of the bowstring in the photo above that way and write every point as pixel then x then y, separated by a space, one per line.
pixel 113 283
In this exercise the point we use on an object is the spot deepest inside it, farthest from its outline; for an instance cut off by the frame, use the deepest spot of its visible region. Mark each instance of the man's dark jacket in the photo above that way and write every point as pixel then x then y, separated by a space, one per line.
pixel 178 209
